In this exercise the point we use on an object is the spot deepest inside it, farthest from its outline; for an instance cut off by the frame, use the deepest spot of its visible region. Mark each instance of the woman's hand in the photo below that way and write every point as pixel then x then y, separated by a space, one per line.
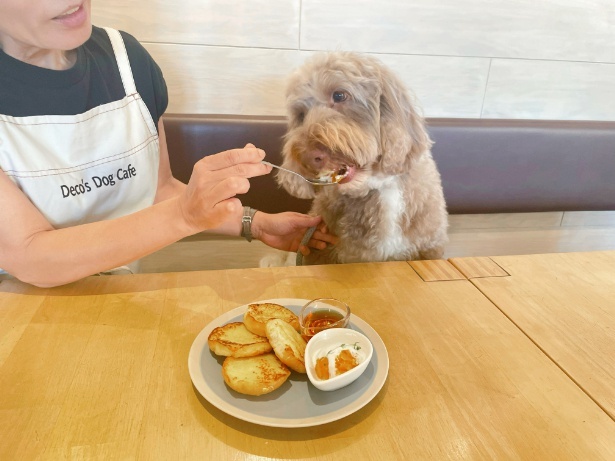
pixel 209 199
pixel 284 231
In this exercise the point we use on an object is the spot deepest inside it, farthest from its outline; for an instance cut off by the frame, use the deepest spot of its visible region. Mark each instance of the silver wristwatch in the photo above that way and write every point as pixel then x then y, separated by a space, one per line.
pixel 246 222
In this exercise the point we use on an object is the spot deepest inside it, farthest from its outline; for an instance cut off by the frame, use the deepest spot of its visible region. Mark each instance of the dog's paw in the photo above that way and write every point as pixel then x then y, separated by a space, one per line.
pixel 280 259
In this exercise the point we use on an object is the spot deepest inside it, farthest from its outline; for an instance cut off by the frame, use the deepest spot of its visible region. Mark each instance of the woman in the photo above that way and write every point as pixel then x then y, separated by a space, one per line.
pixel 85 180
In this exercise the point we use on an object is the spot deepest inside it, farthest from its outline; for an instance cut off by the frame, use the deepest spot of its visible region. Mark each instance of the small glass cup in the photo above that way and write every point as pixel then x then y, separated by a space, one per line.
pixel 321 314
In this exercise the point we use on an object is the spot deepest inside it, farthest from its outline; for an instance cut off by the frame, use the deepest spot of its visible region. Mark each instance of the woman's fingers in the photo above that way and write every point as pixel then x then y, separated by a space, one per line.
pixel 225 189
pixel 242 163
pixel 319 237
pixel 216 180
pixel 234 157
pixel 222 210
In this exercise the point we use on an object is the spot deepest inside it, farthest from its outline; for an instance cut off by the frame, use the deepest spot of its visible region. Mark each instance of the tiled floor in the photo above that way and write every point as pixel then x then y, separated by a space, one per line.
pixel 470 235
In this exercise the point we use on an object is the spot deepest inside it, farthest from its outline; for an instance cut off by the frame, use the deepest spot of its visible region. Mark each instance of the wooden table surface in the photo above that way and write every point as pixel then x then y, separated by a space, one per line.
pixel 98 370
pixel 566 304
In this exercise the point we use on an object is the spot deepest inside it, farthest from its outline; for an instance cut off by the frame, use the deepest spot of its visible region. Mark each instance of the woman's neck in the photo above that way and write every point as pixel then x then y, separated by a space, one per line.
pixel 47 59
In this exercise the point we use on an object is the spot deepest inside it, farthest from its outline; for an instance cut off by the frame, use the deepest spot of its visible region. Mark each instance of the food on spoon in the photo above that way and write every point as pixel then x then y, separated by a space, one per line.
pixel 234 339
pixel 254 375
pixel 258 314
pixel 333 176
pixel 339 360
pixel 287 344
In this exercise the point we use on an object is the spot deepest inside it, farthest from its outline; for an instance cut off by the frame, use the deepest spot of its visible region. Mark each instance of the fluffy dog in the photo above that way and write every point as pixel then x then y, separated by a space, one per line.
pixel 349 115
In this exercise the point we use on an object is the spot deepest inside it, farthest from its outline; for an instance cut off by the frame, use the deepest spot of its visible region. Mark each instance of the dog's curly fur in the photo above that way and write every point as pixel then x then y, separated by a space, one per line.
pixel 348 110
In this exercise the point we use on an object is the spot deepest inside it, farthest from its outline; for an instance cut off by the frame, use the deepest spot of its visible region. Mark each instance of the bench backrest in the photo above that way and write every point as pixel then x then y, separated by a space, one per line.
pixel 487 166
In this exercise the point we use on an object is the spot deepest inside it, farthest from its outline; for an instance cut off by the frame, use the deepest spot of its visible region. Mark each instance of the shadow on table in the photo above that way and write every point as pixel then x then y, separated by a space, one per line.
pixel 359 419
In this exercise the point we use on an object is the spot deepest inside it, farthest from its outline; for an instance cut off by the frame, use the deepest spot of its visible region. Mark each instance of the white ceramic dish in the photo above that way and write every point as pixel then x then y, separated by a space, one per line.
pixel 327 341
pixel 296 403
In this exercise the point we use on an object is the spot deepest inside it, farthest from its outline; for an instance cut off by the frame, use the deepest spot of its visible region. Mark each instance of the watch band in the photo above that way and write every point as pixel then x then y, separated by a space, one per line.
pixel 246 222
pixel 304 241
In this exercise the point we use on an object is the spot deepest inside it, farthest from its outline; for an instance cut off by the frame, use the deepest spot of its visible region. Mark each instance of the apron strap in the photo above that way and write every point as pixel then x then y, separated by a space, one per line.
pixel 123 63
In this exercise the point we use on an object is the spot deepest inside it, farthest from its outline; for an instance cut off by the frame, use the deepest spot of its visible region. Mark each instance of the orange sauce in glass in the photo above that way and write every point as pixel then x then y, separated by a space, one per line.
pixel 319 320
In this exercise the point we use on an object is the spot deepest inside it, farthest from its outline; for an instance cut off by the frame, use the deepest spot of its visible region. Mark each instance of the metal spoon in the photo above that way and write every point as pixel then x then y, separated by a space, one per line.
pixel 317 181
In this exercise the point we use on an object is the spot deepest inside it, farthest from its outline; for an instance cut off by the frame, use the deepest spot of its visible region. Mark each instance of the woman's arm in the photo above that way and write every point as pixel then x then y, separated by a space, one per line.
pixel 33 251
pixel 168 186
pixel 283 231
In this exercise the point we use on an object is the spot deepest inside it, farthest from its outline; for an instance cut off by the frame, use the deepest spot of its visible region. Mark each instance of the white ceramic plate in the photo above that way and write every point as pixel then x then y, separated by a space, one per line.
pixel 296 403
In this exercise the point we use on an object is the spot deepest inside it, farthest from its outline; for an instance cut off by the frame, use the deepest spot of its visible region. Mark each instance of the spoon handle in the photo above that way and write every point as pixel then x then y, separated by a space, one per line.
pixel 284 169
pixel 315 182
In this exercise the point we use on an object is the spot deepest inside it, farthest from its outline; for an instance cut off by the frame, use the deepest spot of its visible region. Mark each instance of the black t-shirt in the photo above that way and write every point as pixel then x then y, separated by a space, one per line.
pixel 27 90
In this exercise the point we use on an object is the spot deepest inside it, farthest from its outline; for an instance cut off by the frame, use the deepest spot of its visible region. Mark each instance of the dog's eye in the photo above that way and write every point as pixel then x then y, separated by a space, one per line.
pixel 339 96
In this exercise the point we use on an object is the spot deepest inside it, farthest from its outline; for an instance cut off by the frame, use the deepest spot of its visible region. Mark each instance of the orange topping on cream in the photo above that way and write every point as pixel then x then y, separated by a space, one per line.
pixel 345 361
pixel 322 368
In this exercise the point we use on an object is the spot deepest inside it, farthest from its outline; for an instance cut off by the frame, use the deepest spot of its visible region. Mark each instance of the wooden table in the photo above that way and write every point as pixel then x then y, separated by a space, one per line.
pixel 98 370
pixel 565 303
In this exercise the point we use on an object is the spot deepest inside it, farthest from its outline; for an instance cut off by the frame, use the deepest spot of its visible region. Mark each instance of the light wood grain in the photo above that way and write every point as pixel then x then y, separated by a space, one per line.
pixel 478 267
pixel 589 218
pixel 436 271
pixel 566 304
pixel 14 318
pixel 469 235
pixel 100 372
pixel 542 220
pixel 507 241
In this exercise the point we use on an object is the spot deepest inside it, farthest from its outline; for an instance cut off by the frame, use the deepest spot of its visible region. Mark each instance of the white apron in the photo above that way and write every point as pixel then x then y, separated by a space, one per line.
pixel 78 169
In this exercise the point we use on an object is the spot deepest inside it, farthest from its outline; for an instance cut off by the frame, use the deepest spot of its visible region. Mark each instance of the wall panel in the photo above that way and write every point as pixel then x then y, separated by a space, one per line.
pixel 580 30
pixel 529 59
pixel 218 80
pixel 550 90
pixel 444 86
pixel 246 23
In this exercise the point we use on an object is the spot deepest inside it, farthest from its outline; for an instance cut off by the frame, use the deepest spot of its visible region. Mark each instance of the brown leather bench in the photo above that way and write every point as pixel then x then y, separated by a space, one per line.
pixel 487 166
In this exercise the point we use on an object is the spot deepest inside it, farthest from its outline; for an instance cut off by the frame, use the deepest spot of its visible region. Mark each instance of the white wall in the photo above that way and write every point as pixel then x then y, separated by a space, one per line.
pixel 525 59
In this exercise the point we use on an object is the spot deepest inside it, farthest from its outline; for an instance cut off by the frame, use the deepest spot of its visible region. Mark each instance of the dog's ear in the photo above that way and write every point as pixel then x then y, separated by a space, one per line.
pixel 403 136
